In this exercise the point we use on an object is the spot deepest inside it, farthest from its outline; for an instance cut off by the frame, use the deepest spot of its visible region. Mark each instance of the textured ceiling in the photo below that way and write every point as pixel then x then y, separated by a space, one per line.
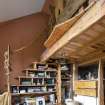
pixel 12 9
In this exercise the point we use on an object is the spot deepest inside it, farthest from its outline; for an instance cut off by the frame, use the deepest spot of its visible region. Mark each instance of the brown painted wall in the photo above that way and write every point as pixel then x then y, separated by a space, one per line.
pixel 19 33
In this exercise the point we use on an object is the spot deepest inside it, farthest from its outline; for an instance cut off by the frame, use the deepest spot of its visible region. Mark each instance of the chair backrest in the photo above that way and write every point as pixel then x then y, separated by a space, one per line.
pixel 5 99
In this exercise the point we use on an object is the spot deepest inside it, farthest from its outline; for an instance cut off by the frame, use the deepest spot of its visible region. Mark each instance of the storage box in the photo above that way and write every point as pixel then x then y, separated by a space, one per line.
pixel 40 101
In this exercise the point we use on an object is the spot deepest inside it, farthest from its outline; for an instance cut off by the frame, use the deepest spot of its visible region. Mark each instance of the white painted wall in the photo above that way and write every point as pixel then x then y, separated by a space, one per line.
pixel 86 100
pixel 11 9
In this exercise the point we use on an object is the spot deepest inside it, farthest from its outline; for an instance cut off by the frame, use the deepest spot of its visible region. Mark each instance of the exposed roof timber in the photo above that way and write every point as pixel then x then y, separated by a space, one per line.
pixel 90 48
pixel 89 19
pixel 92 42
pixel 94 58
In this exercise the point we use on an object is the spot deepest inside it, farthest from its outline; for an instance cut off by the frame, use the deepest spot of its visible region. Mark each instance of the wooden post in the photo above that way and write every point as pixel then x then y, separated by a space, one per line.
pixel 58 8
pixel 59 85
pixel 26 72
pixel 100 84
pixel 75 74
pixel 7 68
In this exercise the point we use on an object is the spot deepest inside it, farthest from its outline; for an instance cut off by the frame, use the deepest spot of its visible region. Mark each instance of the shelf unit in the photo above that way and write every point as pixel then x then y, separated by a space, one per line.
pixel 33 94
pixel 65 81
pixel 38 80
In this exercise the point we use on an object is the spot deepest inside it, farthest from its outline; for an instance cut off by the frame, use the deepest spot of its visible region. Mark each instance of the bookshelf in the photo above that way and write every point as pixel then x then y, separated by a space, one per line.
pixel 65 81
pixel 38 80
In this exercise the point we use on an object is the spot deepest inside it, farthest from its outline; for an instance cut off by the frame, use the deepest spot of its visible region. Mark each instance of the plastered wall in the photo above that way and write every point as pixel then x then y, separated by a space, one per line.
pixel 30 31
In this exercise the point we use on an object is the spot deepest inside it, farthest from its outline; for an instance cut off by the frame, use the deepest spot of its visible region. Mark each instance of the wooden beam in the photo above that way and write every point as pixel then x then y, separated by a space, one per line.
pixel 91 16
pixel 60 29
pixel 7 68
pixel 100 83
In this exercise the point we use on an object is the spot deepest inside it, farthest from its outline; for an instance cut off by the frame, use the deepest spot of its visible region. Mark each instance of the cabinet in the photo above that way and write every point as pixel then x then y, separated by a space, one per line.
pixel 87 81
pixel 86 88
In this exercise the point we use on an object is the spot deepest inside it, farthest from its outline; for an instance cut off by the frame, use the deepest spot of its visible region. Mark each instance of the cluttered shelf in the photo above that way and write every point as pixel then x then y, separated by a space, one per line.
pixel 65 78
pixel 33 85
pixel 87 80
pixel 35 70
pixel 33 94
pixel 28 77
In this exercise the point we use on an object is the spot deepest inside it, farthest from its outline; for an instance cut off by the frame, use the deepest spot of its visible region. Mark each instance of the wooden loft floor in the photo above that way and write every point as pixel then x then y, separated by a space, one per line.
pixel 60 29
pixel 85 40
